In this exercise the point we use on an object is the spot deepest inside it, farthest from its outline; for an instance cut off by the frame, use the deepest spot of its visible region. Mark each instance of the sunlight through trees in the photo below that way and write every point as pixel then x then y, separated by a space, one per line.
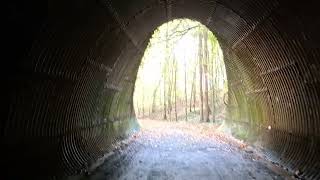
pixel 182 75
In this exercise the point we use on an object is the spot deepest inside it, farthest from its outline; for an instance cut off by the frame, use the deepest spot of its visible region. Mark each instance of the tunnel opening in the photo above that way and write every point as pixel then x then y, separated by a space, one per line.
pixel 68 83
pixel 179 55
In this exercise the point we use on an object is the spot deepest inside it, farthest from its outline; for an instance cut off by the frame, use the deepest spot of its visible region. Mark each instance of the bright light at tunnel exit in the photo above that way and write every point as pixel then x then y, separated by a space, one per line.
pixel 171 63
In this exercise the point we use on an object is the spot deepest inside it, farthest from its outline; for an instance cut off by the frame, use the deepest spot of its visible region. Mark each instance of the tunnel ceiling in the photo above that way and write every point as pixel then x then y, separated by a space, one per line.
pixel 70 69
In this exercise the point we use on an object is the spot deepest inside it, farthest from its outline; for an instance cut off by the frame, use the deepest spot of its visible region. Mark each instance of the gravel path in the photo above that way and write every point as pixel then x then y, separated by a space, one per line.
pixel 183 151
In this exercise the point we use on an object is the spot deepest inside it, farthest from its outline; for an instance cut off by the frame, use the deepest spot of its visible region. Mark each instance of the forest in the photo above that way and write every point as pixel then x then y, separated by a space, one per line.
pixel 182 75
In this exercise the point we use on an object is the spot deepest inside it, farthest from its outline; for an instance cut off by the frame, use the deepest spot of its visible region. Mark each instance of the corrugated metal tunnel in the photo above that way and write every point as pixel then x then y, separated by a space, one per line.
pixel 69 69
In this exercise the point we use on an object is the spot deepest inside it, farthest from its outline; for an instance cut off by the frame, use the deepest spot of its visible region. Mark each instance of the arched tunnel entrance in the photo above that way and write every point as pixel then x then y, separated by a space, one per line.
pixel 180 54
pixel 70 66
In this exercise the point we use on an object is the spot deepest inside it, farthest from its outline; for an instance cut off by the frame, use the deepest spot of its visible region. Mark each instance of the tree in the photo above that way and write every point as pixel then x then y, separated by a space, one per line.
pixel 205 70
pixel 193 88
pixel 154 95
pixel 196 86
pixel 164 75
pixel 214 60
pixel 170 88
pixel 200 74
pixel 175 89
pixel 185 91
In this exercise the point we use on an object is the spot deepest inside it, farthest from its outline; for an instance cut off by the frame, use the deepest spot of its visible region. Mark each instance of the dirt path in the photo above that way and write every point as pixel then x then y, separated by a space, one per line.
pixel 183 151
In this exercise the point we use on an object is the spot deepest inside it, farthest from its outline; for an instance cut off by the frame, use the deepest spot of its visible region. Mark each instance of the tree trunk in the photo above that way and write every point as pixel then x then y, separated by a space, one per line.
pixel 160 97
pixel 212 89
pixel 185 91
pixel 205 70
pixel 213 76
pixel 164 98
pixel 215 82
pixel 195 93
pixel 195 85
pixel 154 95
pixel 175 90
pixel 164 77
pixel 200 75
pixel 190 104
pixel 193 89
pixel 170 92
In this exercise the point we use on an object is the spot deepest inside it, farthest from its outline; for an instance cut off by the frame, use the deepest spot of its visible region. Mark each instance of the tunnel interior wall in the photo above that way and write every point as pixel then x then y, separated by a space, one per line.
pixel 69 78
pixel 68 105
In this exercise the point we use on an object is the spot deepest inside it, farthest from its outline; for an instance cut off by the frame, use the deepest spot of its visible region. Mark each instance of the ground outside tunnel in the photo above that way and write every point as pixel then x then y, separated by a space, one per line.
pixel 179 150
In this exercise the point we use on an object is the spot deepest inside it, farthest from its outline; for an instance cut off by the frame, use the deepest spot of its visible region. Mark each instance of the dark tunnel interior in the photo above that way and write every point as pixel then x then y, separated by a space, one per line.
pixel 69 68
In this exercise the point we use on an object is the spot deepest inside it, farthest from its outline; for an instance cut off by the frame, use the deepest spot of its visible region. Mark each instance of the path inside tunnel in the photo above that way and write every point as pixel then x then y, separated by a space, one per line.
pixel 179 150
